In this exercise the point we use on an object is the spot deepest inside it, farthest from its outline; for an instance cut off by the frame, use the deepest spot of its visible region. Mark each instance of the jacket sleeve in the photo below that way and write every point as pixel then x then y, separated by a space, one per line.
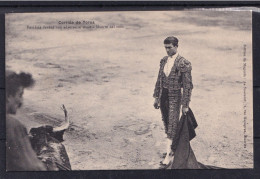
pixel 19 153
pixel 157 84
pixel 185 68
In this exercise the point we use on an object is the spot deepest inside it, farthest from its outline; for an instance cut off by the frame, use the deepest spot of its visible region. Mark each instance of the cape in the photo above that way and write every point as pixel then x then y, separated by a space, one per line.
pixel 184 157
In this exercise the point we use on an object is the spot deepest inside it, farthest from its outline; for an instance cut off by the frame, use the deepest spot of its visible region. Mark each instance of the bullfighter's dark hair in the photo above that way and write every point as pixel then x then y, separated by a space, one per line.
pixel 171 40
pixel 14 81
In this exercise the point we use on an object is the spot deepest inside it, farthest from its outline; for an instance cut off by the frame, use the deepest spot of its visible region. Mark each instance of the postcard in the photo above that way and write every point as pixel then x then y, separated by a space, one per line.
pixel 119 90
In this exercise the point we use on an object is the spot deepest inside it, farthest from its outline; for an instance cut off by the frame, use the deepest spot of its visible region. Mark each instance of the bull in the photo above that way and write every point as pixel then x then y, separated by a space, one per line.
pixel 47 143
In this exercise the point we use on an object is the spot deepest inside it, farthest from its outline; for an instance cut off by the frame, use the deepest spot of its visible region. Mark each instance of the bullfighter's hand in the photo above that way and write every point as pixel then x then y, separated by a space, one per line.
pixel 185 110
pixel 156 103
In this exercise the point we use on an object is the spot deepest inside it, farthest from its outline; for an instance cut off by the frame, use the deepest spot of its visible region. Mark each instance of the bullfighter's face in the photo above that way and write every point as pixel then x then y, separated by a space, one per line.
pixel 14 101
pixel 170 49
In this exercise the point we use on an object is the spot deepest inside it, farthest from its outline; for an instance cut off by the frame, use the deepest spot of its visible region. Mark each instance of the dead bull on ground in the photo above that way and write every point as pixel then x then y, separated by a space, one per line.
pixel 47 143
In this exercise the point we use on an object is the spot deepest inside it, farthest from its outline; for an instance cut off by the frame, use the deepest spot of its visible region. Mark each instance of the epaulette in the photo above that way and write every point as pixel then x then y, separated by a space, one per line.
pixel 164 59
pixel 184 65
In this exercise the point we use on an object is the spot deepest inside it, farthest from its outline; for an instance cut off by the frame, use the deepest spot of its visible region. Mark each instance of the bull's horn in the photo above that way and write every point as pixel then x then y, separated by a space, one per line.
pixel 66 124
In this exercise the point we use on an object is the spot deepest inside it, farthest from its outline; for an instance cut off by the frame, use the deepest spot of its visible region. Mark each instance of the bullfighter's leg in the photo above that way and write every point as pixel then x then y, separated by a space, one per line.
pixel 173 121
pixel 165 116
pixel 164 106
pixel 168 156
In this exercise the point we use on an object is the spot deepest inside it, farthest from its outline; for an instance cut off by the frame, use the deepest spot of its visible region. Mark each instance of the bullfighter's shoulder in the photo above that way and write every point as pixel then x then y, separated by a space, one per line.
pixel 184 65
pixel 15 128
pixel 12 122
pixel 164 59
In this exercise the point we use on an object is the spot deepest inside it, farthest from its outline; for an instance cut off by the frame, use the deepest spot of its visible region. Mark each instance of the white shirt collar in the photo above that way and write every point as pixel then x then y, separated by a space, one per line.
pixel 169 64
pixel 174 56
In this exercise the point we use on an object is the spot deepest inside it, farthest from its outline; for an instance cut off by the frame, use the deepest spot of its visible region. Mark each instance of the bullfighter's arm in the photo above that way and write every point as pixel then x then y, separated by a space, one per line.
pixel 157 87
pixel 157 84
pixel 185 68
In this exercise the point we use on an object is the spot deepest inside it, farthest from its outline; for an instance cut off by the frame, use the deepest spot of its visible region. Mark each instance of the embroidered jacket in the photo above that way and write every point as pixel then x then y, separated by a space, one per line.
pixel 179 77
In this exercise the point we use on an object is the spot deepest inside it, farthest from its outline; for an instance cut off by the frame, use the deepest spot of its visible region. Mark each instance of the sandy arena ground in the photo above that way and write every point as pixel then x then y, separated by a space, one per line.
pixel 106 77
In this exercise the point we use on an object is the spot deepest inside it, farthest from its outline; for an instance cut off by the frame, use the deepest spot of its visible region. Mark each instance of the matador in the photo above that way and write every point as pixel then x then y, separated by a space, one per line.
pixel 172 90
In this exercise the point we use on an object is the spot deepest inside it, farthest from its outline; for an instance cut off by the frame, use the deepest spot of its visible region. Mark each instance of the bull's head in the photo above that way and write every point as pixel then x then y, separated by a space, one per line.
pixel 46 142
pixel 44 135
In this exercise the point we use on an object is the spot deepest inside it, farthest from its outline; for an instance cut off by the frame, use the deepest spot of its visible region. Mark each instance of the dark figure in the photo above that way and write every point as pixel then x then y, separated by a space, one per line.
pixel 19 153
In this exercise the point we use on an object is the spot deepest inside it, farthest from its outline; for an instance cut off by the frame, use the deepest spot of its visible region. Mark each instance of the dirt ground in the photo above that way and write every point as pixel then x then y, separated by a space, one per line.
pixel 106 77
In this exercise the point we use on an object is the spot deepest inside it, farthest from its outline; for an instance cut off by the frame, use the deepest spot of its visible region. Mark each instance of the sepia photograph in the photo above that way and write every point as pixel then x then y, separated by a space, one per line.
pixel 128 90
